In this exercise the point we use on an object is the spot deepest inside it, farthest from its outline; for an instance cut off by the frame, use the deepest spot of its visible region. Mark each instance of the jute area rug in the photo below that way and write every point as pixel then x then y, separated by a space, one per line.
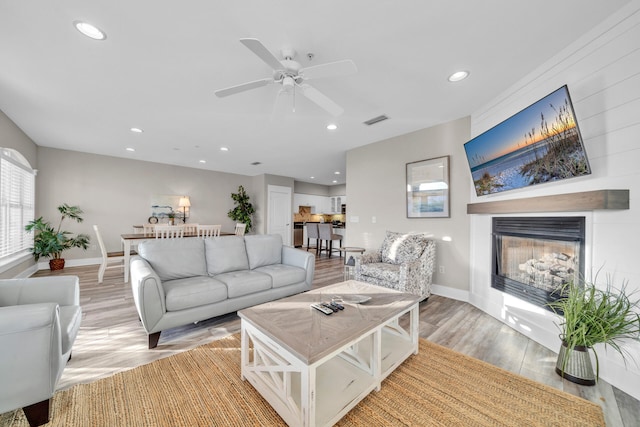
pixel 202 387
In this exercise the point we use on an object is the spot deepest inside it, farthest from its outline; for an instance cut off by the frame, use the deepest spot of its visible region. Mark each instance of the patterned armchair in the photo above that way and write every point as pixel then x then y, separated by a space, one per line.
pixel 405 262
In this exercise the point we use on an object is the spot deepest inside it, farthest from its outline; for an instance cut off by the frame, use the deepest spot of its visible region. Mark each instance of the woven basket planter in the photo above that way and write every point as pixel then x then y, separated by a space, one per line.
pixel 56 264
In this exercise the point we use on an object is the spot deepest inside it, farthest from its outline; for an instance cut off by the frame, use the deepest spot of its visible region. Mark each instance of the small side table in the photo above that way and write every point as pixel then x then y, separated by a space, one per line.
pixel 349 263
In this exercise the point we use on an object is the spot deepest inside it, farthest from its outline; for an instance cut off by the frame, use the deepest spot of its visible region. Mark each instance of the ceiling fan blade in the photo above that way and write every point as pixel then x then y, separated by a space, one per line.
pixel 243 87
pixel 330 69
pixel 258 48
pixel 321 100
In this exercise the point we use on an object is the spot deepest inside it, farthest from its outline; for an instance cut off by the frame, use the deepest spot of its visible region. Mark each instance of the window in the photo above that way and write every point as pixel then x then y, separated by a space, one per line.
pixel 17 193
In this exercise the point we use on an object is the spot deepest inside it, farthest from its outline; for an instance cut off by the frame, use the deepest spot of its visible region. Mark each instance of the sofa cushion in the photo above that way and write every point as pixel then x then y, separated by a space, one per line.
pixel 245 282
pixel 194 291
pixel 399 248
pixel 225 254
pixel 383 271
pixel 263 249
pixel 283 275
pixel 174 258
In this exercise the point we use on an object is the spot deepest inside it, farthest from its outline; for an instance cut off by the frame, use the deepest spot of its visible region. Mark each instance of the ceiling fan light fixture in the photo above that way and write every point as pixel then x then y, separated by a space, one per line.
pixel 288 84
pixel 90 30
pixel 458 75
pixel 332 126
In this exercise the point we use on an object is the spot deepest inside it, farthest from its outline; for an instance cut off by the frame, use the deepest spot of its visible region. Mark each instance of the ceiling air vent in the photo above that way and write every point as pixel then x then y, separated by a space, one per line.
pixel 376 120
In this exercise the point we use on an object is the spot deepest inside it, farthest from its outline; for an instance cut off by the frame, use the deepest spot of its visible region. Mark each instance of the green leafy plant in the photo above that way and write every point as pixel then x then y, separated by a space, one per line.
pixel 51 242
pixel 244 210
pixel 593 315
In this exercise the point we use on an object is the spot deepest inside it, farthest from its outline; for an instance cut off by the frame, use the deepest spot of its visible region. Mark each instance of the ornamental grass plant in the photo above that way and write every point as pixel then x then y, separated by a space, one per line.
pixel 593 315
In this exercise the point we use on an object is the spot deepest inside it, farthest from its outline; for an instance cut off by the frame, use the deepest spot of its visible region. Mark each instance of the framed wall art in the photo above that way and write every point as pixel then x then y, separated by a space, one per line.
pixel 428 188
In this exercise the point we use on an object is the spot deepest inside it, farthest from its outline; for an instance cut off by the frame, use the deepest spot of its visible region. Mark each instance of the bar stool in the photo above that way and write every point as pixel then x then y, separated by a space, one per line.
pixel 327 235
pixel 312 233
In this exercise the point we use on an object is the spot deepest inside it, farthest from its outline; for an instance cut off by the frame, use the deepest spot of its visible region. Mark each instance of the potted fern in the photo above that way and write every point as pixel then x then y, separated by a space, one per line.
pixel 590 316
pixel 51 242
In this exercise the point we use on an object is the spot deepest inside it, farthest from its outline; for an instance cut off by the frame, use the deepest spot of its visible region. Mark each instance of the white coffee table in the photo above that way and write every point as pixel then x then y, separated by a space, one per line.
pixel 313 368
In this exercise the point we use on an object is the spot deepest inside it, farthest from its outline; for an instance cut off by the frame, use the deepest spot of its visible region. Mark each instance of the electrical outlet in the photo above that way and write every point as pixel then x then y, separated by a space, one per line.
pixel 441 269
pixel 355 219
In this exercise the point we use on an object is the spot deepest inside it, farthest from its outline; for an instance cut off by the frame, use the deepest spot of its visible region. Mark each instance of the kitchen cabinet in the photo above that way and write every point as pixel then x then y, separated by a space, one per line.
pixel 319 204
pixel 336 204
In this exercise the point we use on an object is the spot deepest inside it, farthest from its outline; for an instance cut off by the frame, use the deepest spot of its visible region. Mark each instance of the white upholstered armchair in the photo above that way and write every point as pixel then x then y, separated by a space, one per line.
pixel 39 320
pixel 404 262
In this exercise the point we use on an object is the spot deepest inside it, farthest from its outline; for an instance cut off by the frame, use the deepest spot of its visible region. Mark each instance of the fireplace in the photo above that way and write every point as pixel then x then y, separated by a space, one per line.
pixel 534 257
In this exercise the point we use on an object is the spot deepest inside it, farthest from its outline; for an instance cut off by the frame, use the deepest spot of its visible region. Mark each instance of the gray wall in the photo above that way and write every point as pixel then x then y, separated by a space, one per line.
pixel 376 176
pixel 116 193
pixel 310 188
pixel 11 136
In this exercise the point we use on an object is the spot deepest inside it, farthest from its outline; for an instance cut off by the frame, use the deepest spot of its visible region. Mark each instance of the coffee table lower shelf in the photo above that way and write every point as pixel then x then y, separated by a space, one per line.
pixel 320 393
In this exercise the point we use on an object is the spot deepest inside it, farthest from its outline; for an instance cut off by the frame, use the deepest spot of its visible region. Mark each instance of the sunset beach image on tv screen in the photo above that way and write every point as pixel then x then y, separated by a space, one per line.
pixel 541 143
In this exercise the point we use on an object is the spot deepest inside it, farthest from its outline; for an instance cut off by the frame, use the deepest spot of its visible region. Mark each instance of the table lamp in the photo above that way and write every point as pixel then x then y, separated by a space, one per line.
pixel 184 203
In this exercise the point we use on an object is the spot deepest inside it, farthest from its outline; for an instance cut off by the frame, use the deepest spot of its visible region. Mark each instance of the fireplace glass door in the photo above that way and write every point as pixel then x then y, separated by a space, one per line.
pixel 542 263
pixel 534 257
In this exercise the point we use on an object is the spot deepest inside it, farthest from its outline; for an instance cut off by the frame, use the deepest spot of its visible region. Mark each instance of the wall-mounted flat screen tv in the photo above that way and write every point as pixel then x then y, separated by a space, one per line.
pixel 541 143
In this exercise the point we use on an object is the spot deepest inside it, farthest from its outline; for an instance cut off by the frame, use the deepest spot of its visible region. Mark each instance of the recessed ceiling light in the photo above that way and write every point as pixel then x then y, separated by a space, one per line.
pixel 458 75
pixel 203 161
pixel 336 173
pixel 312 177
pixel 131 149
pixel 332 126
pixel 89 30
pixel 224 149
pixel 136 130
pixel 334 181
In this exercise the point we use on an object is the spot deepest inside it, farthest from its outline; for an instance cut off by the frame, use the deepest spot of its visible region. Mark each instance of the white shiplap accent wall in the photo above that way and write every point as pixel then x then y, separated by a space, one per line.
pixel 602 71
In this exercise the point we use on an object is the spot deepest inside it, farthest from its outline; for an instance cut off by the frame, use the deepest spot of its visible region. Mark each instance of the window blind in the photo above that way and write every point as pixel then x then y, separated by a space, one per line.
pixel 17 194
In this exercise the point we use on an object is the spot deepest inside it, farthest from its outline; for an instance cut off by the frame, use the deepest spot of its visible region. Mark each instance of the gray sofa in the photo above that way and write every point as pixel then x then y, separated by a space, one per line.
pixel 39 321
pixel 180 281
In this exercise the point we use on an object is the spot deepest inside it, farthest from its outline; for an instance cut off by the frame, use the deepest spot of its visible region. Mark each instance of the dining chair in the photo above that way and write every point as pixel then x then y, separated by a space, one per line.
pixel 149 228
pixel 108 257
pixel 190 228
pixel 169 231
pixel 326 234
pixel 240 229
pixel 312 233
pixel 209 230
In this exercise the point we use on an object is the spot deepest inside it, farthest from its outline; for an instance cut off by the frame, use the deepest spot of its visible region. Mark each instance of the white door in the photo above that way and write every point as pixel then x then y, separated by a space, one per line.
pixel 280 213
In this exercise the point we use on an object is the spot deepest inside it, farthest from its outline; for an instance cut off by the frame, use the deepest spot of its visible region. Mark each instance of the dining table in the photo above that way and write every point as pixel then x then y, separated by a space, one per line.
pixel 133 239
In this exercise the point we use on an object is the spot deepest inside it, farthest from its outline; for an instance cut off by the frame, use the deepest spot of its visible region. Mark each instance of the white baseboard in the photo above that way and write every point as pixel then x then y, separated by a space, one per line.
pixel 453 293
pixel 44 265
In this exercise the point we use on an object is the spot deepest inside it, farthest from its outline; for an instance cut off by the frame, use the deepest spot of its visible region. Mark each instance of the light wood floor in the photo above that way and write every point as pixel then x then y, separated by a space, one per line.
pixel 111 338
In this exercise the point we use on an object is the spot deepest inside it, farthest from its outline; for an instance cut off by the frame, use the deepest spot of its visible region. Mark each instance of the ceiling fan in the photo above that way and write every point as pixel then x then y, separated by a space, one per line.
pixel 291 76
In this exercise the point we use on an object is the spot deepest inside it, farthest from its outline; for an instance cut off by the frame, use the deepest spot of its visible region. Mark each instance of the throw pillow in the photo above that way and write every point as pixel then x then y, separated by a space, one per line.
pixel 399 248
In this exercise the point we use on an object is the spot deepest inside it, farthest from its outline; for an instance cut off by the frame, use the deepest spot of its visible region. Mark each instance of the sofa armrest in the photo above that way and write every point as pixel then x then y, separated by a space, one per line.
pixel 31 357
pixel 63 290
pixel 299 258
pixel 148 293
